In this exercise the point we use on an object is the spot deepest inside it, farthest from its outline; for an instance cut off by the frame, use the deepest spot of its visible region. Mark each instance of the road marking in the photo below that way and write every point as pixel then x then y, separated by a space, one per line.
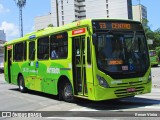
pixel 70 118
pixel 152 107
pixel 83 109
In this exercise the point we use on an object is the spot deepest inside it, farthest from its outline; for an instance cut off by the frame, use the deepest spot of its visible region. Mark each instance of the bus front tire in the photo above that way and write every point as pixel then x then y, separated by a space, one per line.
pixel 21 84
pixel 66 92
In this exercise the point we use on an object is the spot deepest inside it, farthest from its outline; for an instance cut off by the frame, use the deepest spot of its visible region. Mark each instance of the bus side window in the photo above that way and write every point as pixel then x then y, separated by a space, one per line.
pixel 25 51
pixel 59 46
pixel 43 48
pixel 18 52
pixel 32 50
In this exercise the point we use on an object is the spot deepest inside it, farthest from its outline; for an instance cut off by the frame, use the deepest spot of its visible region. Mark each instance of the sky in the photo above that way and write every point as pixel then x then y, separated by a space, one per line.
pixel 9 15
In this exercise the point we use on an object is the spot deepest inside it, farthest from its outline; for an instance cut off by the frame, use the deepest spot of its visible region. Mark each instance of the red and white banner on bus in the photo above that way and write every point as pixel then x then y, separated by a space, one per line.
pixel 9 47
pixel 79 31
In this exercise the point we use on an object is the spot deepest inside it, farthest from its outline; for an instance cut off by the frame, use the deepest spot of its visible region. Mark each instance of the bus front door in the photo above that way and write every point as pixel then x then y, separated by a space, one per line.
pixel 9 65
pixel 32 73
pixel 79 66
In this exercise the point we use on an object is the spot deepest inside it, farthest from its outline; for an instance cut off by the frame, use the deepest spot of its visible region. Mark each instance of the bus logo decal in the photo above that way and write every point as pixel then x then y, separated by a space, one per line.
pixel 53 70
pixel 78 31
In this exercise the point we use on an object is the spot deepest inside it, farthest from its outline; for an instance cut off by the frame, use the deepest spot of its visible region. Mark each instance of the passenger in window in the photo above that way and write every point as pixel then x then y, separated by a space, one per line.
pixel 54 54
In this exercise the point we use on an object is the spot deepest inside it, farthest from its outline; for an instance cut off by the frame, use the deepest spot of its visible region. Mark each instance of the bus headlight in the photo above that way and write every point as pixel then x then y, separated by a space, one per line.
pixel 149 78
pixel 102 81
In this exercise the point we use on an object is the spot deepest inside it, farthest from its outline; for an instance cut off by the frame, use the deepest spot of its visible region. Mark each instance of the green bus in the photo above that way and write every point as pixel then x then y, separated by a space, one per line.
pixel 153 58
pixel 76 60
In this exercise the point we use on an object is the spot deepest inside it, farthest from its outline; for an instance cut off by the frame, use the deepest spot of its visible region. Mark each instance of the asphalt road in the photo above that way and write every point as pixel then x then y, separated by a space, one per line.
pixel 12 100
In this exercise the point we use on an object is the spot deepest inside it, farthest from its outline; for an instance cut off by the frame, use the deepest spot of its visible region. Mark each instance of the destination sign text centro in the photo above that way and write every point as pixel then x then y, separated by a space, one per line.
pixel 121 26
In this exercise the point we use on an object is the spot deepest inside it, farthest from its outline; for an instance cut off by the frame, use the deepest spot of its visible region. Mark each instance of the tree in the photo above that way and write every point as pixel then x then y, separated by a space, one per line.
pixel 157 40
pixel 50 25
pixel 74 20
pixel 149 33
pixel 153 35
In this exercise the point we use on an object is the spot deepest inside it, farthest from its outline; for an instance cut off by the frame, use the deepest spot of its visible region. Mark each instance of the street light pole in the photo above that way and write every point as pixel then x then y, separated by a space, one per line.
pixel 57 13
pixel 21 21
pixel 20 4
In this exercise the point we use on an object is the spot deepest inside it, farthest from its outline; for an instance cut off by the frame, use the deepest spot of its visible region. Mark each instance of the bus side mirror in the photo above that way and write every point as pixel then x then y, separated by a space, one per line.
pixel 94 38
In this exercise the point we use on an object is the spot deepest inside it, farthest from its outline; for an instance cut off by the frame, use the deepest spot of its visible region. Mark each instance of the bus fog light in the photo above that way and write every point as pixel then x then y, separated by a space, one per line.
pixel 102 81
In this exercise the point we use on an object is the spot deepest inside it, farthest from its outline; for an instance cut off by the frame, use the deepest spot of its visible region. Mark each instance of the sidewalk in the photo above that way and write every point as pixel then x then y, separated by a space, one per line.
pixel 2 78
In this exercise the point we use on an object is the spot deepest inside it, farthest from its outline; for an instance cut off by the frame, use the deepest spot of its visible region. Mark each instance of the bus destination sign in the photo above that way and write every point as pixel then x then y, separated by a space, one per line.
pixel 103 25
pixel 121 26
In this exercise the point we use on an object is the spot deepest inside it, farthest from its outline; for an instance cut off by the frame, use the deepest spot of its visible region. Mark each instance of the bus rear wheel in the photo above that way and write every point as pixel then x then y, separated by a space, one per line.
pixel 21 84
pixel 67 92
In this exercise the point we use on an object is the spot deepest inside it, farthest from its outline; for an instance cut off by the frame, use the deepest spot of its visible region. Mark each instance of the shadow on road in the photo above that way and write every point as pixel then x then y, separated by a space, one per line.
pixel 118 104
pixel 31 92
pixel 125 103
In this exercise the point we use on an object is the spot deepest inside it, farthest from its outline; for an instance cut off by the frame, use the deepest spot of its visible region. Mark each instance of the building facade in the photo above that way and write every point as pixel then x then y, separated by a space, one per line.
pixel 2 35
pixel 139 12
pixel 42 22
pixel 74 10
pixel 109 8
pixel 2 41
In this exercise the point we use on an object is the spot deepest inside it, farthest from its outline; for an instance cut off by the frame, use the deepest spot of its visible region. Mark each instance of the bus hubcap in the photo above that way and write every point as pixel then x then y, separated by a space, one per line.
pixel 68 91
pixel 21 84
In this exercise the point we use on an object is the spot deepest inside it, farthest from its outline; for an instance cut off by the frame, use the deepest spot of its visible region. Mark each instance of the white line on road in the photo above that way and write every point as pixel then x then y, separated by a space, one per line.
pixel 83 109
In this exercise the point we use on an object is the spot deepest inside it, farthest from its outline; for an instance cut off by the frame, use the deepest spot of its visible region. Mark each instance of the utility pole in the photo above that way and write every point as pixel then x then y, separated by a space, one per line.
pixel 57 11
pixel 20 4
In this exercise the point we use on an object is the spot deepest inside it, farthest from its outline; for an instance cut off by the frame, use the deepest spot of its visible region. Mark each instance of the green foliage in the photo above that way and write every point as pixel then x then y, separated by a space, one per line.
pixel 50 25
pixel 153 35
pixel 74 20
pixel 158 51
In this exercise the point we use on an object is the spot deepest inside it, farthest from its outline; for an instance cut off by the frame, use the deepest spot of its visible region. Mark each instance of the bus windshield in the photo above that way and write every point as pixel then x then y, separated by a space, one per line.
pixel 122 52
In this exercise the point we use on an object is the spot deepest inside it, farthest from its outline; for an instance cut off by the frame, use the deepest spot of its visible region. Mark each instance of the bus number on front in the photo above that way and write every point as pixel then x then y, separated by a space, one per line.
pixel 102 25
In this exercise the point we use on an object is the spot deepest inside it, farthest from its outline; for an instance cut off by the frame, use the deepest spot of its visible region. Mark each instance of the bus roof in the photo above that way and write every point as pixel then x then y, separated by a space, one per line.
pixel 51 30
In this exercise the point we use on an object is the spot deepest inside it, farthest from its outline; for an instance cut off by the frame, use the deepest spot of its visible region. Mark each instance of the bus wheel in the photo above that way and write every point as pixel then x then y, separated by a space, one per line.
pixel 21 84
pixel 67 92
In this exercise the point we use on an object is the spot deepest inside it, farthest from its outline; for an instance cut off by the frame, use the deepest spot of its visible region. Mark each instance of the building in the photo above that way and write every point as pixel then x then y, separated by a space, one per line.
pixel 2 35
pixel 74 10
pixel 139 12
pixel 42 22
pixel 2 41
pixel 109 8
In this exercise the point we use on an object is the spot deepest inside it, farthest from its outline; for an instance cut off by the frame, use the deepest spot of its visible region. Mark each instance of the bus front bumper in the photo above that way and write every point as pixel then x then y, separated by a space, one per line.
pixel 121 92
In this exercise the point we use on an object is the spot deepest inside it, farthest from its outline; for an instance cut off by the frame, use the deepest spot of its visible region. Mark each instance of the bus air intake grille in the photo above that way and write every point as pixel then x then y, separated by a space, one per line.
pixel 128 91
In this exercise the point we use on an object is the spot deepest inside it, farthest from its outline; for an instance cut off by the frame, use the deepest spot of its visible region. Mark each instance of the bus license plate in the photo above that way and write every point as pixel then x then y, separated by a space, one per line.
pixel 131 90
